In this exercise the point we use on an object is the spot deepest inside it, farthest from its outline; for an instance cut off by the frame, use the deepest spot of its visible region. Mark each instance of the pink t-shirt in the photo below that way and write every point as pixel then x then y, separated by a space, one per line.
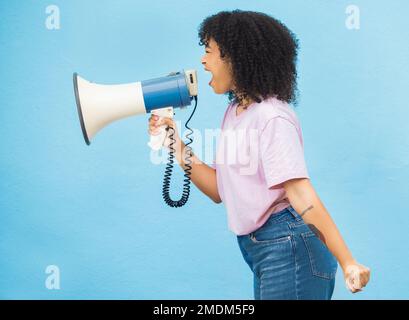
pixel 256 152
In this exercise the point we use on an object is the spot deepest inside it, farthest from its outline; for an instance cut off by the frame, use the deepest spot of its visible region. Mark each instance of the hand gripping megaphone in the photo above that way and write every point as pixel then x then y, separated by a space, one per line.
pixel 99 105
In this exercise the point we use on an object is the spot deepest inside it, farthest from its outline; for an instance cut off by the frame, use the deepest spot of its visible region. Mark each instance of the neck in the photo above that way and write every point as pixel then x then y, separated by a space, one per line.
pixel 245 104
pixel 242 101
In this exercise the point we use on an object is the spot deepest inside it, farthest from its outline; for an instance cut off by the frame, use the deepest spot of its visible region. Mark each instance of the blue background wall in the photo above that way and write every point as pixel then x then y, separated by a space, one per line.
pixel 97 212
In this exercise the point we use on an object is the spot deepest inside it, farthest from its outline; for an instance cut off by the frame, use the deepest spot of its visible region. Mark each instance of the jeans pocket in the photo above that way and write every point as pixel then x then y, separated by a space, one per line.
pixel 323 263
pixel 270 236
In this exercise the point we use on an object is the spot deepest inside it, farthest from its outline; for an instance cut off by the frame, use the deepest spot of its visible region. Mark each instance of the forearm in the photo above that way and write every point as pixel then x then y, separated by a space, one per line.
pixel 306 202
pixel 203 176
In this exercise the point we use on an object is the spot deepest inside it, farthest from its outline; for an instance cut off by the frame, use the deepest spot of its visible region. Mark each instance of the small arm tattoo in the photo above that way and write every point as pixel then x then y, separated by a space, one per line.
pixel 313 228
pixel 304 212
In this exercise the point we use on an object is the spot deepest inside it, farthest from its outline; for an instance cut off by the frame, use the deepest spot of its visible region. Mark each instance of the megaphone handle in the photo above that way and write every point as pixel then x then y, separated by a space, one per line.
pixel 156 141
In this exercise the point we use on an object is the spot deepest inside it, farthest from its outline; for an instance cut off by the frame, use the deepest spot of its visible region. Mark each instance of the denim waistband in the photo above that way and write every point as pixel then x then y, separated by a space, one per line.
pixel 288 213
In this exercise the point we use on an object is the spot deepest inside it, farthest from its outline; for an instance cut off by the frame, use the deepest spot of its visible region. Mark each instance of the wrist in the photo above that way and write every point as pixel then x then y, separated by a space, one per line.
pixel 347 262
pixel 181 151
pixel 179 146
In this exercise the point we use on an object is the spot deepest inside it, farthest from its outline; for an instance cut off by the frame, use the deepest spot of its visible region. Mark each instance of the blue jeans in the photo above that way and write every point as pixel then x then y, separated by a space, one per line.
pixel 288 260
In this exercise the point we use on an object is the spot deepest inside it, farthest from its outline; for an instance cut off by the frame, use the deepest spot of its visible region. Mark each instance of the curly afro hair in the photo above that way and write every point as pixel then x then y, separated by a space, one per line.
pixel 262 52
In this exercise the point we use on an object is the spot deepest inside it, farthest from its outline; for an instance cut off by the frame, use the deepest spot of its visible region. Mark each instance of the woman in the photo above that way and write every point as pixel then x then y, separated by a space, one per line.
pixel 284 232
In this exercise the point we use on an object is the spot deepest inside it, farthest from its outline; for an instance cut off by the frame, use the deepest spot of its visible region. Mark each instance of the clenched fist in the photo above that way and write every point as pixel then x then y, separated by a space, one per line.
pixel 356 276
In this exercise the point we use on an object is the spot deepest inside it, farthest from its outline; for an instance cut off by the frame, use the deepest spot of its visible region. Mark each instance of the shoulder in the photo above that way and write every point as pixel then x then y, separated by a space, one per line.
pixel 273 110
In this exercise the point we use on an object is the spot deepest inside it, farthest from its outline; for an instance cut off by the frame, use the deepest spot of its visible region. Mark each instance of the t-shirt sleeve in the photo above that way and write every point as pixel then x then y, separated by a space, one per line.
pixel 281 152
pixel 213 163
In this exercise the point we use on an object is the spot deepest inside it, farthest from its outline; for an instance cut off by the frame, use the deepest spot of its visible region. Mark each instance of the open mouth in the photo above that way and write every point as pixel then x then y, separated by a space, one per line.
pixel 211 80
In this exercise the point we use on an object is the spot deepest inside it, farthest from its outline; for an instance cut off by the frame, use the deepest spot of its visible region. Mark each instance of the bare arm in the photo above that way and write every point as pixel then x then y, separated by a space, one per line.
pixel 306 202
pixel 203 176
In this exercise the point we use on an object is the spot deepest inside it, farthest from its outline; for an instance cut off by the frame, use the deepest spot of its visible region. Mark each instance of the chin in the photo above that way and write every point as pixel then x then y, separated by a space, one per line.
pixel 215 90
pixel 219 91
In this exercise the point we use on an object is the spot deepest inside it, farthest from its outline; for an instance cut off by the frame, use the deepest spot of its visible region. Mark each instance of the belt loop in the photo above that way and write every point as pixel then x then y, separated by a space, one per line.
pixel 294 213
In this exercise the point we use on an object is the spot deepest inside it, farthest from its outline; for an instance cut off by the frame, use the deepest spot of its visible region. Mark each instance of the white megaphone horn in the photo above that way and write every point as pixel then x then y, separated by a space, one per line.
pixel 99 105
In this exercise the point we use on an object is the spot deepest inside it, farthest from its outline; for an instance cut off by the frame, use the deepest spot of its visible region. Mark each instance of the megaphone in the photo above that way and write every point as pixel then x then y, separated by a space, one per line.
pixel 98 105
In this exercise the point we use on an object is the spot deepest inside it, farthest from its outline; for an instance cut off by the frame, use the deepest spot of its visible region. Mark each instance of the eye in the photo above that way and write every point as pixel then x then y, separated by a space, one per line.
pixel 207 51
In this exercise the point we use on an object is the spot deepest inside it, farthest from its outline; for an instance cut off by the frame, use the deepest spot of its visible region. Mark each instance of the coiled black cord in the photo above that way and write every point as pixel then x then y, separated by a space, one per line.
pixel 169 167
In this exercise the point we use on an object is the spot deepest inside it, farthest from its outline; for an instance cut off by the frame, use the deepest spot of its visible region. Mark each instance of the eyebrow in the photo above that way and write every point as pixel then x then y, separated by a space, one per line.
pixel 208 46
